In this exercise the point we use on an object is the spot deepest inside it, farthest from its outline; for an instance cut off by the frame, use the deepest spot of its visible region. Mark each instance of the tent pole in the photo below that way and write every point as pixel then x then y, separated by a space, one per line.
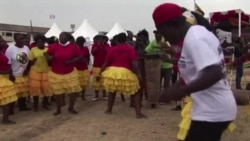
pixel 239 24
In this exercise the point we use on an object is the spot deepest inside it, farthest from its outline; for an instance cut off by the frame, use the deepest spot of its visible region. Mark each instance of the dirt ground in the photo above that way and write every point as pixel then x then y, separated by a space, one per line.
pixel 91 124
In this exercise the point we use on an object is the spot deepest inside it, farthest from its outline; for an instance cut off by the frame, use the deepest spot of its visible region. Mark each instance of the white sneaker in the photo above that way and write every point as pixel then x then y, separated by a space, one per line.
pixel 105 98
pixel 95 99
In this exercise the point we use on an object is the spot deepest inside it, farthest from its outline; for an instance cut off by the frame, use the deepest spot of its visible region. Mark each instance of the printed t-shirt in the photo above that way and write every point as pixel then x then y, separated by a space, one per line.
pixel 200 50
pixel 18 59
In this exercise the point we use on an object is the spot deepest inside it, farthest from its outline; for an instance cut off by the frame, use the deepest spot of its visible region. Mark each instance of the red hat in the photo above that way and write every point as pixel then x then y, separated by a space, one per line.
pixel 166 12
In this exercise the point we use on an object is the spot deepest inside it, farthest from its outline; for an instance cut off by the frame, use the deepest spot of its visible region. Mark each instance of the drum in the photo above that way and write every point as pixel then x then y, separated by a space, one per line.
pixel 153 76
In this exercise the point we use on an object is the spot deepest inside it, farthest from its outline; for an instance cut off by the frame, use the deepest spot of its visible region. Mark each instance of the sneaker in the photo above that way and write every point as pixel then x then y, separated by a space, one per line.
pixel 105 98
pixel 95 99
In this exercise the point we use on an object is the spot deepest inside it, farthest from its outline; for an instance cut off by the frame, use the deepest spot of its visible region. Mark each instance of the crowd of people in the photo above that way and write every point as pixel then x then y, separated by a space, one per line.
pixel 52 69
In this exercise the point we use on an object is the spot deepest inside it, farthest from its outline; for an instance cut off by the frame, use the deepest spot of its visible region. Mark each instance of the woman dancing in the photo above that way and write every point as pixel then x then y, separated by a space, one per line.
pixel 63 78
pixel 122 74
pixel 82 66
pixel 7 88
pixel 38 74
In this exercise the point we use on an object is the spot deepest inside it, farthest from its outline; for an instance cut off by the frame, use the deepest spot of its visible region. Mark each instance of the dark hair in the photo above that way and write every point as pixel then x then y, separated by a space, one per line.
pixel 106 38
pixel 178 21
pixel 26 35
pixel 113 43
pixel 70 37
pixel 16 35
pixel 202 21
pixel 39 37
pixel 128 31
pixel 80 40
pixel 122 38
pixel 52 40
pixel 143 32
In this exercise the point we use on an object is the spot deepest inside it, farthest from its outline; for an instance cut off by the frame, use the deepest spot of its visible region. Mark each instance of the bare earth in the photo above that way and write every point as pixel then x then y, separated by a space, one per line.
pixel 93 125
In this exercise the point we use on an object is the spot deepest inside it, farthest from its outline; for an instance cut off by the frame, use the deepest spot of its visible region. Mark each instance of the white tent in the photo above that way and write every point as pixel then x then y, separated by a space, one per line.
pixel 116 29
pixel 53 31
pixel 85 30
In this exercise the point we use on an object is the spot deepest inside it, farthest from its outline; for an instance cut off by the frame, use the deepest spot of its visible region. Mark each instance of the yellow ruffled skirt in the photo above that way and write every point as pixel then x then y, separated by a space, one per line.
pixel 186 120
pixel 7 91
pixel 64 84
pixel 39 84
pixel 121 80
pixel 84 78
pixel 97 85
pixel 21 85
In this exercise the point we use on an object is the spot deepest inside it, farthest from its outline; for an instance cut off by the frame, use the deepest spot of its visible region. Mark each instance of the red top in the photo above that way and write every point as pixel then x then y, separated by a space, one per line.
pixel 32 45
pixel 82 65
pixel 177 56
pixel 99 54
pixel 4 49
pixel 121 56
pixel 4 62
pixel 62 54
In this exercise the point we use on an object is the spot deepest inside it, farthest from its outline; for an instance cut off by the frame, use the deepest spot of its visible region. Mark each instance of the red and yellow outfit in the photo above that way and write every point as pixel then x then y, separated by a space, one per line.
pixel 7 88
pixel 118 76
pixel 99 59
pixel 82 68
pixel 38 76
pixel 63 77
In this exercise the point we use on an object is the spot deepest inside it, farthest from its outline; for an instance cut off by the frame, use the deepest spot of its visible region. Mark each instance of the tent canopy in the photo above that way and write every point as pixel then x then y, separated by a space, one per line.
pixel 217 17
pixel 53 31
pixel 86 30
pixel 116 29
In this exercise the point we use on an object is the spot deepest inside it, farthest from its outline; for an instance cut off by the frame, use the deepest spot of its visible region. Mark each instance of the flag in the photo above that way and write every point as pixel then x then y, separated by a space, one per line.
pixel 198 9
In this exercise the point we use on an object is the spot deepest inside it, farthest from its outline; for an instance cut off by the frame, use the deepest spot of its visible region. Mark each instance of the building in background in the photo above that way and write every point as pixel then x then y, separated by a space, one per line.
pixel 7 31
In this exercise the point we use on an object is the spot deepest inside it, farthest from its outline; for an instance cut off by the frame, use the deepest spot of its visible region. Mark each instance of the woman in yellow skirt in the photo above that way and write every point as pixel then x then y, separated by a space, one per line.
pixel 99 52
pixel 38 75
pixel 7 88
pixel 18 59
pixel 121 75
pixel 63 78
pixel 82 66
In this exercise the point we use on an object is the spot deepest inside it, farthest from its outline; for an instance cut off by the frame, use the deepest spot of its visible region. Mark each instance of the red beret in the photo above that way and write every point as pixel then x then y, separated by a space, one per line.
pixel 166 12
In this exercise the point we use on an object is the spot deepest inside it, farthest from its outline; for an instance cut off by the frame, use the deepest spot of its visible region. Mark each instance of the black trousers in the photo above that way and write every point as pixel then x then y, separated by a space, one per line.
pixel 206 131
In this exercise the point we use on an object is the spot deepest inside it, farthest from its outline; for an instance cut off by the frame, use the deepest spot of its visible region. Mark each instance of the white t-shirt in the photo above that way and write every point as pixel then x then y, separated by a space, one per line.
pixel 18 59
pixel 200 50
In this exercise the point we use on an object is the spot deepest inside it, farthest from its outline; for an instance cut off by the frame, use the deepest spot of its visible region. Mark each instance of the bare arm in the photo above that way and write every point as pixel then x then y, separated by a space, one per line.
pixel 48 57
pixel 208 77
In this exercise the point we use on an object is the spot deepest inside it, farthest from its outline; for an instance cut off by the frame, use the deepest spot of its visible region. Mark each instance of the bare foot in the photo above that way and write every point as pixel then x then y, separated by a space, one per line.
pixel 140 116
pixel 35 109
pixel 83 98
pixel 57 113
pixel 8 122
pixel 46 108
pixel 108 112
pixel 73 111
